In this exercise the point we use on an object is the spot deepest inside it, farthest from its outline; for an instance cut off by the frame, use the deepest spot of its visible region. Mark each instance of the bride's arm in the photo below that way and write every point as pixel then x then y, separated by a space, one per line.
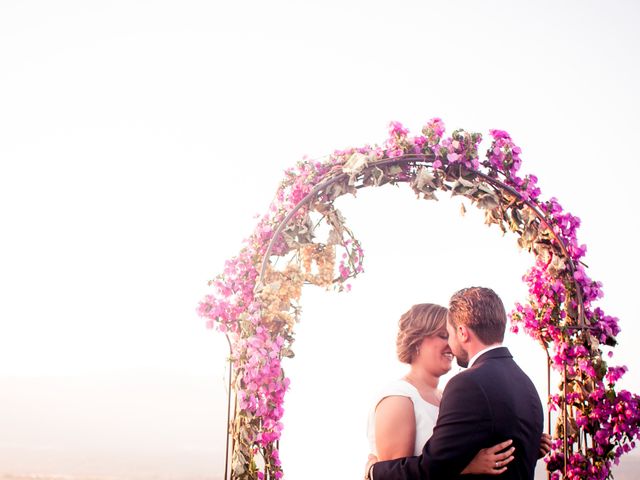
pixel 395 428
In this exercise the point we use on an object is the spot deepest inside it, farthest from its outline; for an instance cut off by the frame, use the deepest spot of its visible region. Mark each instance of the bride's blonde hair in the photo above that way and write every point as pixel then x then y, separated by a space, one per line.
pixel 422 320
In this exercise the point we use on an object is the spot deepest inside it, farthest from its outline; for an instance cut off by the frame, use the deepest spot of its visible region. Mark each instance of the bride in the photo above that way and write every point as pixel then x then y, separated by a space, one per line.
pixel 406 410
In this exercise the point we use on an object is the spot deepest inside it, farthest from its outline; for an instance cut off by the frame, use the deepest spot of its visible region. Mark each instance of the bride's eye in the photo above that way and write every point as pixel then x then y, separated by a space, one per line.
pixel 444 336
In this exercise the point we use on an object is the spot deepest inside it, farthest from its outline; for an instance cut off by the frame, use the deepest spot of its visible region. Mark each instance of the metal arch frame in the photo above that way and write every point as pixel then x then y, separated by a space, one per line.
pixel 427 160
pixel 416 159
pixel 226 453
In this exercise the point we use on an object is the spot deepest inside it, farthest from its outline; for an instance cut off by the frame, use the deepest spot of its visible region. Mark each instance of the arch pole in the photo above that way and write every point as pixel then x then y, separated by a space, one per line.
pixel 229 429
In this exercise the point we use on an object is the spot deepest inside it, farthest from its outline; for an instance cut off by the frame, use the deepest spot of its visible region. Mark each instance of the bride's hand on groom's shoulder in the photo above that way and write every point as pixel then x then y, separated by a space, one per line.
pixel 545 445
pixel 492 460
pixel 372 460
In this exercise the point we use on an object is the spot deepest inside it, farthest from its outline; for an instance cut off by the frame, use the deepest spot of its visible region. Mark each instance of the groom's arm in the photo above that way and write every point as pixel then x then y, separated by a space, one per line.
pixel 464 426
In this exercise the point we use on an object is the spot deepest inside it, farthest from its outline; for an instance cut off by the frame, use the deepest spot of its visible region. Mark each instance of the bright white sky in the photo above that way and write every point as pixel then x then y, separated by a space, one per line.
pixel 139 138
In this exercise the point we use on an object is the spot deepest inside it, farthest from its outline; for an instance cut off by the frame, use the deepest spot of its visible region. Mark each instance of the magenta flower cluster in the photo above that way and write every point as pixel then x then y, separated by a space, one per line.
pixel 560 311
pixel 561 314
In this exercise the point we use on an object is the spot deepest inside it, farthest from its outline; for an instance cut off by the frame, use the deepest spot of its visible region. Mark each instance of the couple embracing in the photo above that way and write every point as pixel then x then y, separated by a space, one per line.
pixel 488 420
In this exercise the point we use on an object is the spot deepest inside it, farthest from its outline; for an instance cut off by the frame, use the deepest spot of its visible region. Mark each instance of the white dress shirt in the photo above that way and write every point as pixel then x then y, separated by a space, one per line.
pixel 475 357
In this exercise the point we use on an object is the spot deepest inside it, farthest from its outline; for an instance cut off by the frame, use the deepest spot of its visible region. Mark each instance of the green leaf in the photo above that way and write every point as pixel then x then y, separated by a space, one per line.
pixel 336 220
pixel 530 233
pixel 523 244
pixel 335 237
pixel 429 196
pixel 335 190
pixel 355 164
pixel 393 170
pixel 557 265
pixel 486 188
pixel 463 187
pixel 378 176
pixel 527 215
pixel 466 182
pixel 515 220
pixel 488 201
pixel 424 180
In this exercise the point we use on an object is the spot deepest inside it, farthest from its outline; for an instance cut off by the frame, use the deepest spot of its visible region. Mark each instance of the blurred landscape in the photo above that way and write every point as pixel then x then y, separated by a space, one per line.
pixel 629 469
pixel 140 426
pixel 127 427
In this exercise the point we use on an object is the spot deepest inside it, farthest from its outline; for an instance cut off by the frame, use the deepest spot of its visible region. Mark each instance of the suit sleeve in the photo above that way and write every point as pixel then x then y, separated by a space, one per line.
pixel 464 426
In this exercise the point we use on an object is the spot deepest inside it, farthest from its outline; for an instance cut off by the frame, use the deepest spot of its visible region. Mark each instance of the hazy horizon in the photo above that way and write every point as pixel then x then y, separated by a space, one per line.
pixel 106 427
pixel 113 425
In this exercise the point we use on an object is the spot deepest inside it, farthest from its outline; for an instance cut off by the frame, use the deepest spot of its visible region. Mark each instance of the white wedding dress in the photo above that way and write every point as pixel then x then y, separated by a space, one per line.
pixel 426 414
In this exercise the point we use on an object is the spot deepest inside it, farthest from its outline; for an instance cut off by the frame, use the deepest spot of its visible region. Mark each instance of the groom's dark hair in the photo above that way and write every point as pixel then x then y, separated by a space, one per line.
pixel 481 310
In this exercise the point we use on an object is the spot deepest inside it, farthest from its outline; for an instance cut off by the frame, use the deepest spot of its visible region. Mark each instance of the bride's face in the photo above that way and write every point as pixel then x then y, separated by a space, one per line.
pixel 435 354
pixel 462 357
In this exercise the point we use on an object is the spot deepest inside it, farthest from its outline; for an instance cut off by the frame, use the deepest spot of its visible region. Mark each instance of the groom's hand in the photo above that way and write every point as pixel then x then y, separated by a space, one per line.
pixel 367 471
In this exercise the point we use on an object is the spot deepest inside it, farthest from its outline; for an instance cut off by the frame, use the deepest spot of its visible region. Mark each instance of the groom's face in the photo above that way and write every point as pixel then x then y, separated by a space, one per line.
pixel 462 357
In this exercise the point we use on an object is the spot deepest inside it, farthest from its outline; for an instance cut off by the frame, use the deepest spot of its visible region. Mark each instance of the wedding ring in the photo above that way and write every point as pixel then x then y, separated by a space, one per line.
pixel 497 464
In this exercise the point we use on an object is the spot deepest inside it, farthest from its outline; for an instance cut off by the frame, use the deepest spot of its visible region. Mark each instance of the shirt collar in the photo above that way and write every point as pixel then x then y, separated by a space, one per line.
pixel 475 357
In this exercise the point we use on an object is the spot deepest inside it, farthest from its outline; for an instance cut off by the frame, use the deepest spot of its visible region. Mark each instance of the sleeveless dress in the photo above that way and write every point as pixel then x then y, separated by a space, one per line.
pixel 426 414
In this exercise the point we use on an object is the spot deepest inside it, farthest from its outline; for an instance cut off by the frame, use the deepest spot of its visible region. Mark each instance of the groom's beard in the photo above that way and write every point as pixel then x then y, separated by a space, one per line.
pixel 463 359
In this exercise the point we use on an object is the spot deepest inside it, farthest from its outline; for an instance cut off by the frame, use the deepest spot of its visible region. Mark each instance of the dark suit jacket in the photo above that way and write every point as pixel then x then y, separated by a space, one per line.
pixel 492 401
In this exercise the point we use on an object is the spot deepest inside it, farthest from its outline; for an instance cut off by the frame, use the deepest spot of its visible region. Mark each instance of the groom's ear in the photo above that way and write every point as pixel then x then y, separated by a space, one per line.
pixel 463 332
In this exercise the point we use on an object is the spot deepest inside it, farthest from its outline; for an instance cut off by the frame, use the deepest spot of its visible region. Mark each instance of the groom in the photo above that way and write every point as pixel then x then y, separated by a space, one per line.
pixel 490 402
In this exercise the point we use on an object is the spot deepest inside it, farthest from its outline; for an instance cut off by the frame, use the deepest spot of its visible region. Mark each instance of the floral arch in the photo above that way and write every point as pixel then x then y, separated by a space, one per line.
pixel 303 239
